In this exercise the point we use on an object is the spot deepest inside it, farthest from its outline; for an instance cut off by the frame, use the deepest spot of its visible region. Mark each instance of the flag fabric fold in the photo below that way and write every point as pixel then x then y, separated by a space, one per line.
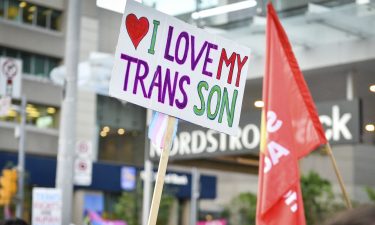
pixel 158 130
pixel 290 130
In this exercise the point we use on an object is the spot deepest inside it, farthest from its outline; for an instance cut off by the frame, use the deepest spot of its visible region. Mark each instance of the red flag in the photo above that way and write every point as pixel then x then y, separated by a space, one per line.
pixel 290 130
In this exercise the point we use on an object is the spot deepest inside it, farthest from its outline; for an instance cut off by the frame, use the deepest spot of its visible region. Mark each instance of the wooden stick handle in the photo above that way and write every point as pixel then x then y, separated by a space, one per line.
pixel 341 182
pixel 159 183
pixel 158 190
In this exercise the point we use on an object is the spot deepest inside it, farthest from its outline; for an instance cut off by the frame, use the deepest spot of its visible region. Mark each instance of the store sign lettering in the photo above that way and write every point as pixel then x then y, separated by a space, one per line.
pixel 340 121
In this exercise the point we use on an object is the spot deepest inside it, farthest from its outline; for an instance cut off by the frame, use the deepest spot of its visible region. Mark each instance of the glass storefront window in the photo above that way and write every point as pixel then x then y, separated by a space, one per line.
pixel 40 66
pixel 121 145
pixel 42 16
pixel 55 20
pixel 38 115
pixel 33 64
pixel 52 63
pixel 2 8
pixel 28 12
pixel 25 12
pixel 11 53
pixel 121 131
pixel 26 62
pixel 13 12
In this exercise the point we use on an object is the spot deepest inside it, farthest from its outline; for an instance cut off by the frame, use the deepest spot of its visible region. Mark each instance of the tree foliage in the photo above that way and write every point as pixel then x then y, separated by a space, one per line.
pixel 126 208
pixel 370 194
pixel 241 210
pixel 129 208
pixel 164 209
pixel 318 198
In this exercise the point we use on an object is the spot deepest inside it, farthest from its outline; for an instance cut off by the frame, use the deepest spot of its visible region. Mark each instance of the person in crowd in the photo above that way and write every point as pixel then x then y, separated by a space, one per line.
pixel 13 222
pixel 363 215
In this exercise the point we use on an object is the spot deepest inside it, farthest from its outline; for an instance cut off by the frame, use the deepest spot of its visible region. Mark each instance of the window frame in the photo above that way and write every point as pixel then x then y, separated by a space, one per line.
pixel 34 23
pixel 47 61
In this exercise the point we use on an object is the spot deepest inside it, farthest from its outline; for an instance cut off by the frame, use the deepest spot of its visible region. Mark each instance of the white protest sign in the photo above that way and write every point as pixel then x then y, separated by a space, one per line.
pixel 5 103
pixel 10 77
pixel 46 206
pixel 166 65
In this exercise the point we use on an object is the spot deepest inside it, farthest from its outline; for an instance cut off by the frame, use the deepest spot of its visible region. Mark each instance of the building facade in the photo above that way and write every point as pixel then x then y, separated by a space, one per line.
pixel 338 66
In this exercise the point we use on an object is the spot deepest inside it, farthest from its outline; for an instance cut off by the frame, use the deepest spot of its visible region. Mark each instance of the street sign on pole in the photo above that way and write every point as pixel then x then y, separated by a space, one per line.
pixel 10 77
pixel 84 149
pixel 82 172
pixel 83 163
pixel 10 87
pixel 5 103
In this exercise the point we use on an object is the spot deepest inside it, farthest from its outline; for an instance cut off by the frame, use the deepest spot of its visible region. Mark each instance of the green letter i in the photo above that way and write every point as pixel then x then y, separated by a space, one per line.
pixel 151 50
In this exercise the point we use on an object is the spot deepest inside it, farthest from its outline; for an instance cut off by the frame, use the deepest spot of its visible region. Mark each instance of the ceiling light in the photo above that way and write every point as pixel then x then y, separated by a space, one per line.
pixel 121 131
pixel 113 5
pixel 372 88
pixel 370 127
pixel 259 104
pixel 224 9
pixel 362 2
pixel 31 110
pixel 34 114
pixel 23 4
pixel 32 8
pixel 12 113
pixel 51 110
pixel 103 134
pixel 106 129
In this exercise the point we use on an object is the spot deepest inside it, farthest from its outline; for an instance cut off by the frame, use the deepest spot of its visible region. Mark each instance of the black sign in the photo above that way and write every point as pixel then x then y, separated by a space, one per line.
pixel 340 121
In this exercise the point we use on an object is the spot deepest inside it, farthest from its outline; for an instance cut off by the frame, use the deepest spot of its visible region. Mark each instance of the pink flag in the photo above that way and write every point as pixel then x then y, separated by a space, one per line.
pixel 213 222
pixel 96 219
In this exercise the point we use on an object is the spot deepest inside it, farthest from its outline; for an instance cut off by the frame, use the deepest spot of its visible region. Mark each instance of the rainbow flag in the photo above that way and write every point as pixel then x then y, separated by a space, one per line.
pixel 158 129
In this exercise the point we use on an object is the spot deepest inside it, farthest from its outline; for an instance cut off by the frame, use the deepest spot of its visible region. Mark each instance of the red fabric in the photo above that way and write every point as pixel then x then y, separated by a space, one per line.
pixel 297 75
pixel 282 214
pixel 292 130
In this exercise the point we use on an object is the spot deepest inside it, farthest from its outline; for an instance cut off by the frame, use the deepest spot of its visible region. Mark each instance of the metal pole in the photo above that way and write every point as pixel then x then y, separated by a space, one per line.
pixel 147 186
pixel 21 159
pixel 350 86
pixel 67 134
pixel 147 182
pixel 195 183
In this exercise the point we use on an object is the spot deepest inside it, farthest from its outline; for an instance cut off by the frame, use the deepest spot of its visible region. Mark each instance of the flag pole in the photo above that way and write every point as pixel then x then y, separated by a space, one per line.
pixel 338 175
pixel 161 172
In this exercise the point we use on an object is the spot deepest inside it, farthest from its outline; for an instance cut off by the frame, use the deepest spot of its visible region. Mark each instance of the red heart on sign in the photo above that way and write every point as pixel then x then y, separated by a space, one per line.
pixel 137 28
